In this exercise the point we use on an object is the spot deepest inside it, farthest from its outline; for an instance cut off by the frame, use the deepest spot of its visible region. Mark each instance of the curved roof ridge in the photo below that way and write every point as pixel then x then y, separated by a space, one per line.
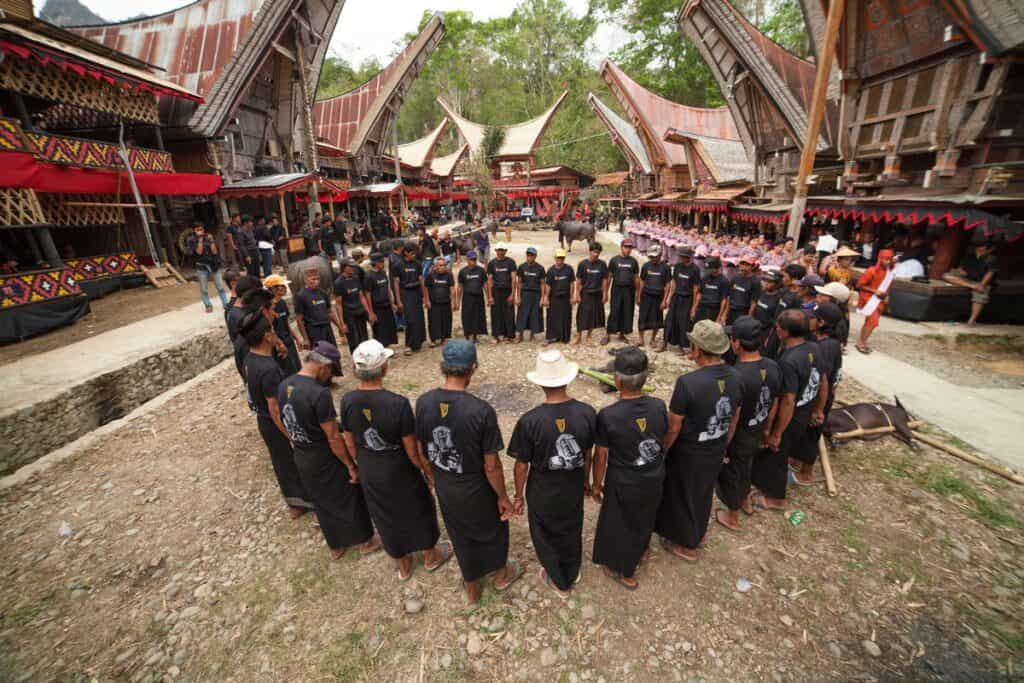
pixel 419 152
pixel 520 138
pixel 445 166
pixel 140 18
pixel 623 134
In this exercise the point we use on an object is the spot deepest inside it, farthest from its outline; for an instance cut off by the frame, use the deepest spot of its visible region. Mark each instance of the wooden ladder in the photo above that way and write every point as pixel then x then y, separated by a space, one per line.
pixel 163 276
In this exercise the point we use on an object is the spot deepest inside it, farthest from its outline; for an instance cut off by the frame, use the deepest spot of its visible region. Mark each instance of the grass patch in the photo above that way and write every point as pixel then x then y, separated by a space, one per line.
pixel 986 510
pixel 26 612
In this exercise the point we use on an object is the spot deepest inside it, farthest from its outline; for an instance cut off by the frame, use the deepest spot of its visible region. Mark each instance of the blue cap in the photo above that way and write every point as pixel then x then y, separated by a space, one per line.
pixel 328 351
pixel 471 255
pixel 531 250
pixel 459 354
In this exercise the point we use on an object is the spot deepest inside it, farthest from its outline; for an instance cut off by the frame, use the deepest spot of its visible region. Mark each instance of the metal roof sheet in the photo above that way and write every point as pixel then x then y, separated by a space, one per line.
pixel 623 134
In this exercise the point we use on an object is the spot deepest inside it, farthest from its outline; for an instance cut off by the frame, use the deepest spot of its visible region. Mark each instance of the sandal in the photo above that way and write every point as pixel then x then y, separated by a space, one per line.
pixel 374 546
pixel 446 554
pixel 673 549
pixel 866 350
pixel 760 503
pixel 734 529
pixel 794 480
pixel 517 573
pixel 620 579
pixel 403 579
pixel 564 595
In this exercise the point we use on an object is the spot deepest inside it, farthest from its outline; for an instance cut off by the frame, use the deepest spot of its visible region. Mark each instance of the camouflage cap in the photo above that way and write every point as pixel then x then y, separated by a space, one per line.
pixel 709 336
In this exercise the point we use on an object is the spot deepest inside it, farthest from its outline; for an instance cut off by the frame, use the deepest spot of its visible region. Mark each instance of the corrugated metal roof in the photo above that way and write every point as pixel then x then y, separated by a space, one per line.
pixel 346 120
pixel 520 139
pixel 623 134
pixel 726 159
pixel 997 24
pixel 657 114
pixel 418 153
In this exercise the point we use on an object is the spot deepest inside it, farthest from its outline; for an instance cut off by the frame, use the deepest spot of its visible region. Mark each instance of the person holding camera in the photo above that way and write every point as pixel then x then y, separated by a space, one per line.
pixel 201 246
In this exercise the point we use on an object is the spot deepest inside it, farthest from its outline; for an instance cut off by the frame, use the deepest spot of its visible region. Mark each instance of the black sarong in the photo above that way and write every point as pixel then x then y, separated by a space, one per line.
pixel 555 511
pixel 503 315
pixel 559 327
pixel 399 502
pixel 440 319
pixel 706 313
pixel 290 364
pixel 283 462
pixel 356 325
pixel 651 317
pixel 732 314
pixel 415 322
pixel 690 475
pixel 627 517
pixel 469 507
pixel 770 470
pixel 623 303
pixel 240 350
pixel 590 312
pixel 677 324
pixel 529 317
pixel 474 315
pixel 339 505
pixel 734 478
pixel 321 332
pixel 384 329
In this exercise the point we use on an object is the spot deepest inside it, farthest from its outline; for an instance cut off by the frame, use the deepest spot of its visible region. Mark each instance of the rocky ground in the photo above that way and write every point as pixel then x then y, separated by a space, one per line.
pixel 164 553
pixel 994 362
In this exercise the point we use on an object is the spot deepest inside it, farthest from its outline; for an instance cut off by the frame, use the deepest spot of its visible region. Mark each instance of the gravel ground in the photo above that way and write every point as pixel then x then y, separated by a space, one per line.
pixel 977 362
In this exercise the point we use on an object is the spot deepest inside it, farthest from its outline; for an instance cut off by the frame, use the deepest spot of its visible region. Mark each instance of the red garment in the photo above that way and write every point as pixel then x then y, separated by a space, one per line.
pixel 873 278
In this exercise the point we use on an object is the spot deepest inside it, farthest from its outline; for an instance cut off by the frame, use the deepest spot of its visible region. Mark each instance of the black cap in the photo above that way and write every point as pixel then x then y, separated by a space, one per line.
pixel 377 257
pixel 685 251
pixel 772 275
pixel 828 313
pixel 630 360
pixel 744 328
pixel 713 262
pixel 409 247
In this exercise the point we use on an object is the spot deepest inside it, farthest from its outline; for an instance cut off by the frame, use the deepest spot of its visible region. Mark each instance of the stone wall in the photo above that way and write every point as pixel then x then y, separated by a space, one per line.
pixel 30 433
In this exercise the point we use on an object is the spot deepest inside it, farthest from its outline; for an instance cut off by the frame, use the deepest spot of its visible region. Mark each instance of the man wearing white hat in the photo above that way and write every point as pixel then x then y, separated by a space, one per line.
pixel 552 445
pixel 380 430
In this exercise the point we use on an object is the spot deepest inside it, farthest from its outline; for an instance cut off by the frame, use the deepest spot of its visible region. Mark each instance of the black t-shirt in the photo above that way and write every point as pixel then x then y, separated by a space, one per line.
pixel 789 299
pixel 262 377
pixel 686 278
pixel 408 274
pixel 624 270
pixel 707 398
pixel 429 248
pixel 439 287
pixel 560 279
pixel 531 275
pixel 713 289
pixel 633 431
pixel 446 246
pixel 471 278
pixel 281 328
pixel 976 268
pixel 234 317
pixel 376 283
pixel 831 359
pixel 767 308
pixel 394 263
pixel 305 405
pixel 655 277
pixel 457 430
pixel 591 274
pixel 377 421
pixel 277 236
pixel 761 385
pixel 245 240
pixel 500 271
pixel 262 234
pixel 207 258
pixel 349 289
pixel 554 436
pixel 800 367
pixel 312 305
pixel 743 292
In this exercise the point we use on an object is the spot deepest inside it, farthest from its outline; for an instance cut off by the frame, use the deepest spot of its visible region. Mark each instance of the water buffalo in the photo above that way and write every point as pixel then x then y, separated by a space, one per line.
pixel 870 416
pixel 572 231
pixel 297 268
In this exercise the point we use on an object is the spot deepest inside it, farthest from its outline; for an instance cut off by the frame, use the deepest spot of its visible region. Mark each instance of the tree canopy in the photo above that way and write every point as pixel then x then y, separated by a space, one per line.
pixel 507 70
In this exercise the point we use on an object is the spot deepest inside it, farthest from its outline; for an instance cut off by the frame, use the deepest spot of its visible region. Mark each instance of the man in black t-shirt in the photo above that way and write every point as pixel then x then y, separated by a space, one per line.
pixel 407 278
pixel 683 297
pixel 313 312
pixel 438 285
pixel 654 277
pixel 743 291
pixel 231 238
pixel 501 281
pixel 713 294
pixel 552 447
pixel 767 308
pixel 702 418
pixel 470 297
pixel 761 383
pixel 279 238
pixel 377 286
pixel 350 304
pixel 247 247
pixel 529 286
pixel 979 275
pixel 459 435
pixel 201 246
pixel 557 297
pixel 326 467
pixel 625 279
pixel 824 324
pixel 592 279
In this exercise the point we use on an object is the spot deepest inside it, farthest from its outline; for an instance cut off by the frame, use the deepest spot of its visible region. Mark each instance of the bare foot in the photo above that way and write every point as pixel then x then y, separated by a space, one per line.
pixel 727 519
pixel 338 553
pixel 296 512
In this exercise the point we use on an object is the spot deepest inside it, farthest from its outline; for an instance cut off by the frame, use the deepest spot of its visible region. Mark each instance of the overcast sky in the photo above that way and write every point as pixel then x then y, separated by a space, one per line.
pixel 369 28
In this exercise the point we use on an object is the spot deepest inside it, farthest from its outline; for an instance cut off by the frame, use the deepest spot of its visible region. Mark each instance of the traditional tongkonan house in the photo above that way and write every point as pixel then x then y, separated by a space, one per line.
pixel 767 90
pixel 513 165
pixel 82 168
pixel 244 57
pixel 640 178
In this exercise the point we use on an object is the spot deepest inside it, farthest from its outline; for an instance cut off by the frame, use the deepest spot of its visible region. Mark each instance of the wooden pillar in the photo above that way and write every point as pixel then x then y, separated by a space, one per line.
pixel 284 214
pixel 947 248
pixel 50 252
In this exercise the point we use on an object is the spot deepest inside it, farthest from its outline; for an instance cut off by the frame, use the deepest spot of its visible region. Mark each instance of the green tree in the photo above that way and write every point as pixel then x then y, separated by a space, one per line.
pixel 785 25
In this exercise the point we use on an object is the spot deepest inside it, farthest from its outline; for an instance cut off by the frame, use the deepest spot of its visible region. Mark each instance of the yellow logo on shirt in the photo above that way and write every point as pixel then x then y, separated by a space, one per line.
pixel 764 374
pixel 810 357
pixel 560 423
pixel 367 414
pixel 444 410
pixel 721 386
pixel 289 390
pixel 641 422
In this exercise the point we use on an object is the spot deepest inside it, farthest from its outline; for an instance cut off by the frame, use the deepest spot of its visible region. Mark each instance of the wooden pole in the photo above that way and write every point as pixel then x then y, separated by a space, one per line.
pixel 973 459
pixel 284 215
pixel 824 66
pixel 826 467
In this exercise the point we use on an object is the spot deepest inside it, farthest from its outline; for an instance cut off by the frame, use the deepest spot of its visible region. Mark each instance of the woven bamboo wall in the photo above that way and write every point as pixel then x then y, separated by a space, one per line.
pixel 20 206
pixel 58 212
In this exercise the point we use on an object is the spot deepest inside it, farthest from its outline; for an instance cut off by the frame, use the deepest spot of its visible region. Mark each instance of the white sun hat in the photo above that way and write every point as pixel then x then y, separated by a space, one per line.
pixel 500 246
pixel 553 369
pixel 370 355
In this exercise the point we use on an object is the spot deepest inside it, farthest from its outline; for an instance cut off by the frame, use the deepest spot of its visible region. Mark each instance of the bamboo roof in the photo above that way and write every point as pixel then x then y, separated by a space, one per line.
pixel 520 139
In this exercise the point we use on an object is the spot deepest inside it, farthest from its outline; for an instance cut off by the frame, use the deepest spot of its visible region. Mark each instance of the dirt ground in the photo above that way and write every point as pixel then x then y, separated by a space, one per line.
pixel 109 313
pixel 965 359
pixel 164 553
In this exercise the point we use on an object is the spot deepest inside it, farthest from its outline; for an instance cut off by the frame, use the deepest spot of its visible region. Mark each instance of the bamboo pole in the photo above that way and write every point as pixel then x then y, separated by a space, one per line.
pixel 826 467
pixel 889 429
pixel 992 467
pixel 824 66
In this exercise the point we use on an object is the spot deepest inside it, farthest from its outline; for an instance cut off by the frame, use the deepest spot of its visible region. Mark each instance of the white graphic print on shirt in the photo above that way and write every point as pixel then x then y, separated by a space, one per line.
pixel 718 424
pixel 442 452
pixel 297 433
pixel 811 390
pixel 764 405
pixel 568 454
pixel 649 450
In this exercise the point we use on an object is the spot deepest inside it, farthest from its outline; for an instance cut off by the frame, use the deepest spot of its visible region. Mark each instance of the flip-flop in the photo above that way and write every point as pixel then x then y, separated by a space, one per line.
pixel 403 579
pixel 676 551
pixel 517 573
pixel 795 481
pixel 619 579
pixel 446 554
pixel 372 549
pixel 717 519
pixel 564 595
pixel 760 503
pixel 863 349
